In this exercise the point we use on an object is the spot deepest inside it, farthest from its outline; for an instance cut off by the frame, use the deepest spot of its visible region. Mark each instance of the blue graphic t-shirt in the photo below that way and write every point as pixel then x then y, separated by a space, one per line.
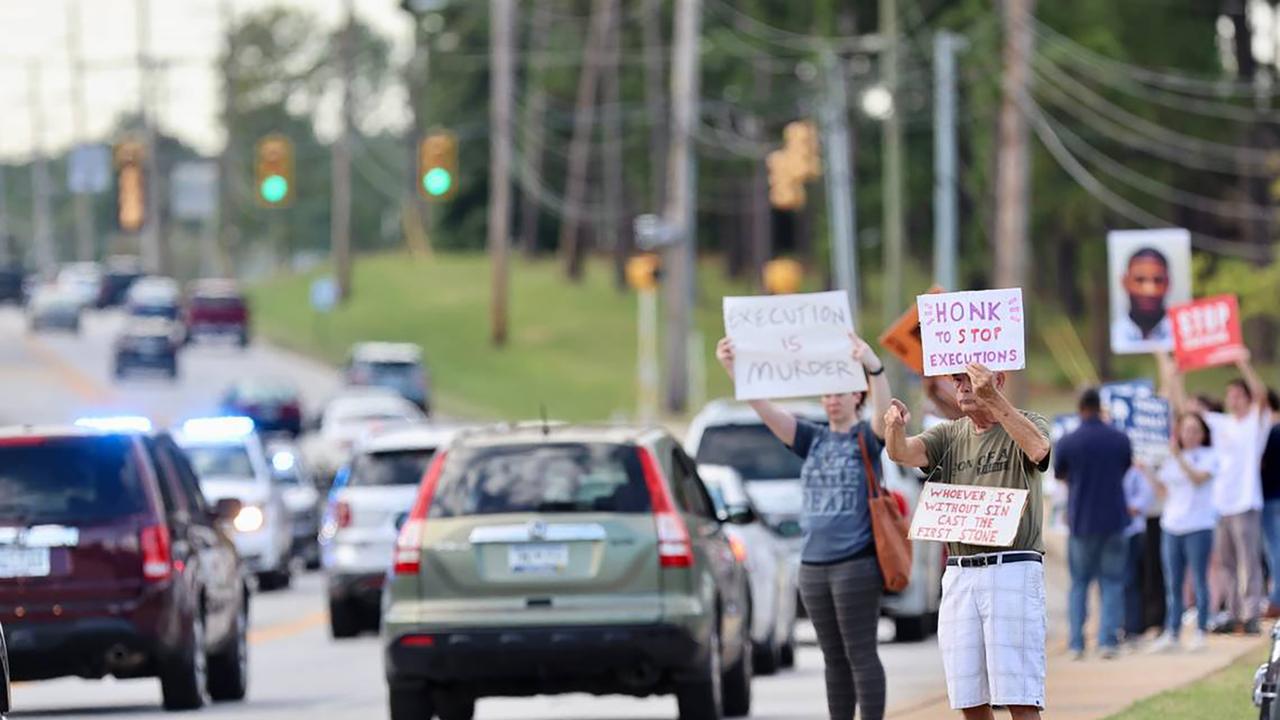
pixel 834 516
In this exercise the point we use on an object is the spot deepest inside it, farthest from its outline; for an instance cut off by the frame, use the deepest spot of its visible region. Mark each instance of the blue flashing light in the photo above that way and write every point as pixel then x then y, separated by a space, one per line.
pixel 217 428
pixel 118 423
pixel 283 461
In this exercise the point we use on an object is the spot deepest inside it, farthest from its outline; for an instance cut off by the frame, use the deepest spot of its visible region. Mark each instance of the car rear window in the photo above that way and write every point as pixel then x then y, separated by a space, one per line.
pixel 218 303
pixel 69 480
pixel 402 467
pixel 559 478
pixel 220 461
pixel 751 449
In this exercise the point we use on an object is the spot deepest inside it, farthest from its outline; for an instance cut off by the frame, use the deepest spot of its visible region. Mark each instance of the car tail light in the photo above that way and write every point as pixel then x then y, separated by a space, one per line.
pixel 739 549
pixel 156 556
pixel 418 641
pixel 675 549
pixel 408 554
pixel 342 514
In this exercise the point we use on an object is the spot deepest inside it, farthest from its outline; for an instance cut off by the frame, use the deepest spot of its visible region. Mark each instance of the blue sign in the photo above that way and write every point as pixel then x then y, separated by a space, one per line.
pixel 1145 419
pixel 324 294
pixel 1062 426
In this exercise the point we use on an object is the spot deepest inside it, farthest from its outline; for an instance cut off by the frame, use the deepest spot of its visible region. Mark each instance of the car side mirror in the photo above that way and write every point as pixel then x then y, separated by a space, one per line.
pixel 740 515
pixel 227 509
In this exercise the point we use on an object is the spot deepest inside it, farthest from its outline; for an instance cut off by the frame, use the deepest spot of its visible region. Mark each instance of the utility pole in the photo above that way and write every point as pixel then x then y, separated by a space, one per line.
pixel 501 86
pixel 680 212
pixel 840 180
pixel 945 46
pixel 892 234
pixel 1011 154
pixel 150 238
pixel 6 241
pixel 340 207
pixel 571 244
pixel 45 257
pixel 226 161
pixel 615 237
pixel 85 249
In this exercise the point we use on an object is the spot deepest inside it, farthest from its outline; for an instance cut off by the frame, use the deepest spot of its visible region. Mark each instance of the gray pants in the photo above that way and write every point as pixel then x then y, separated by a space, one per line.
pixel 1239 541
pixel 843 601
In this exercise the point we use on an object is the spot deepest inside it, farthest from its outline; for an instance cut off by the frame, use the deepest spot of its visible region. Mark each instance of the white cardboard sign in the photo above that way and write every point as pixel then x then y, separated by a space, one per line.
pixel 792 345
pixel 982 326
pixel 970 514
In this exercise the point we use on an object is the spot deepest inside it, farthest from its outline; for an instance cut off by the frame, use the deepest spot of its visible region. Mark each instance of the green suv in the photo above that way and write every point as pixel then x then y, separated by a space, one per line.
pixel 541 559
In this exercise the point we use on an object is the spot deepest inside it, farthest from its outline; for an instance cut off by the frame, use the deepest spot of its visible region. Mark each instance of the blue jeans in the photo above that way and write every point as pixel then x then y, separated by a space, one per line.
pixel 1102 558
pixel 1271 539
pixel 1178 552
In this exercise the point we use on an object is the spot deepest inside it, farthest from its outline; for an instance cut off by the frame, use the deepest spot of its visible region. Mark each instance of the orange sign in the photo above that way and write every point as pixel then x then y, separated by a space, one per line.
pixel 903 338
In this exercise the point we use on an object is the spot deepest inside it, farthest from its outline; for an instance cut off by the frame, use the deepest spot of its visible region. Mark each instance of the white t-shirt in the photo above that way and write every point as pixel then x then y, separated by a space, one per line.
pixel 1188 507
pixel 1237 488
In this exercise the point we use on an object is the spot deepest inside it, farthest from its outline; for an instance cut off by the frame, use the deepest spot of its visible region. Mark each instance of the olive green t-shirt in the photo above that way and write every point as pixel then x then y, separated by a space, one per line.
pixel 960 455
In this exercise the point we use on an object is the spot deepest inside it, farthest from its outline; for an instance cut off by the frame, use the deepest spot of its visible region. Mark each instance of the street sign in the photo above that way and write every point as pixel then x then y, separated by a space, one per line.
pixel 193 190
pixel 89 169
pixel 652 233
pixel 324 294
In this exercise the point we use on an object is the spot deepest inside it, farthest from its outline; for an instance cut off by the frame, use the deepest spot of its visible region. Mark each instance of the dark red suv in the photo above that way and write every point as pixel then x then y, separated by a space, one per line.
pixel 111 563
pixel 217 308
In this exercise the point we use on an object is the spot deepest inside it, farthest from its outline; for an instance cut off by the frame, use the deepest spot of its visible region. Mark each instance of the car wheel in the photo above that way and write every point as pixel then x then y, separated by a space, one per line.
pixel 343 620
pixel 411 702
pixel 767 657
pixel 737 681
pixel 787 656
pixel 184 683
pixel 229 669
pixel 454 704
pixel 243 339
pixel 275 579
pixel 909 629
pixel 313 557
pixel 702 698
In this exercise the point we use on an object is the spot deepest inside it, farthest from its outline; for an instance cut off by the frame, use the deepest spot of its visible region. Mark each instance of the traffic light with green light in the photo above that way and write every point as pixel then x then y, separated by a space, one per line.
pixel 273 171
pixel 438 166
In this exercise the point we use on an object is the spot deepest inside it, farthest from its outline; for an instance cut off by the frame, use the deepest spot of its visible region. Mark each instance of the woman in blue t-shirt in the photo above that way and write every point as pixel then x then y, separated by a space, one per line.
pixel 840 581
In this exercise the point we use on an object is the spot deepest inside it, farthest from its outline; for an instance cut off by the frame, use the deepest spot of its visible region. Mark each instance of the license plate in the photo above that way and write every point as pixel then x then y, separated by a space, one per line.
pixel 538 558
pixel 20 562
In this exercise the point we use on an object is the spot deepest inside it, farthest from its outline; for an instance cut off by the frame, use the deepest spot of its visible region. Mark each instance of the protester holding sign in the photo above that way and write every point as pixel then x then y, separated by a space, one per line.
pixel 840 579
pixel 991 597
pixel 1186 482
pixel 1239 436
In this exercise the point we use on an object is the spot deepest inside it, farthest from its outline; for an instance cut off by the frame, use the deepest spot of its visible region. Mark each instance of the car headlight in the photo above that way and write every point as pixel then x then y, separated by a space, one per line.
pixel 249 519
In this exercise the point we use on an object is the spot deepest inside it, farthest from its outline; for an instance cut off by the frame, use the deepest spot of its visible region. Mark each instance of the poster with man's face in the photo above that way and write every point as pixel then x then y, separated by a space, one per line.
pixel 1150 271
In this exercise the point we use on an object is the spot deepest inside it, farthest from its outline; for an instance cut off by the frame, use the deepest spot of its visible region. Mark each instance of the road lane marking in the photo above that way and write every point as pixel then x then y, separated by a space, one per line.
pixel 297 627
pixel 77 380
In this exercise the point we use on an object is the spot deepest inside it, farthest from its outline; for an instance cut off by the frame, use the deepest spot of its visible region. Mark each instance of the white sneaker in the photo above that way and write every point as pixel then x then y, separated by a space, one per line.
pixel 1166 643
pixel 1197 642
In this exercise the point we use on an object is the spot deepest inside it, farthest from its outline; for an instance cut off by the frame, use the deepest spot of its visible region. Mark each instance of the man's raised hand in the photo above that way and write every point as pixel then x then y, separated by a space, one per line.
pixel 724 353
pixel 897 416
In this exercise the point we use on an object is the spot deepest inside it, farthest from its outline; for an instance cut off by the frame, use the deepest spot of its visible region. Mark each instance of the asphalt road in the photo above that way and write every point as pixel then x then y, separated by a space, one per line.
pixel 297 671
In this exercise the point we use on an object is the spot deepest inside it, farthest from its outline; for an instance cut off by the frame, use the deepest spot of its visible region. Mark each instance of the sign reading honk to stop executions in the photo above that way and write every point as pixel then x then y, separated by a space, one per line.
pixel 984 327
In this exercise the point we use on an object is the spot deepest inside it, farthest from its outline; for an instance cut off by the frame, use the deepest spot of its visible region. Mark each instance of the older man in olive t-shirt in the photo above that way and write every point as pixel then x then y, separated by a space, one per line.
pixel 991 627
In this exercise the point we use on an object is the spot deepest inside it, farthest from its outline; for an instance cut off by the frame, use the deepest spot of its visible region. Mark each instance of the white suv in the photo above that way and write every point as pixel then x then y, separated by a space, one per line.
pixel 228 457
pixel 730 433
pixel 367 504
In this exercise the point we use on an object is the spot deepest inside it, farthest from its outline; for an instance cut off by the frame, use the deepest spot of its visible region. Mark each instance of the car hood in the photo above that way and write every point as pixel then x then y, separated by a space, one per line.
pixel 245 490
pixel 776 498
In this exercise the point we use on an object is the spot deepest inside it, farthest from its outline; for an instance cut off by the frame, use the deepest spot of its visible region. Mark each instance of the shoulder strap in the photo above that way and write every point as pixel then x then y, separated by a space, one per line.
pixel 873 482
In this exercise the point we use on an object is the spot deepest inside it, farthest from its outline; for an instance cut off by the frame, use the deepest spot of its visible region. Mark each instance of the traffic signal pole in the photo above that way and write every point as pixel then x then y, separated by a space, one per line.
pixel 42 235
pixel 501 85
pixel 840 181
pixel 340 207
pixel 86 245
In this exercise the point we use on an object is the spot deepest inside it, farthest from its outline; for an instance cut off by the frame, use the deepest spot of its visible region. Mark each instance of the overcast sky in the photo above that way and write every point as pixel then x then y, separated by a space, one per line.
pixel 187 31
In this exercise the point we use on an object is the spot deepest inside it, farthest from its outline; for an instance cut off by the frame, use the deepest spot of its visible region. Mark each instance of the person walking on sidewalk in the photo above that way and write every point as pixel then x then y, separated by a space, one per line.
pixel 840 579
pixel 991 626
pixel 1186 480
pixel 1092 461
pixel 1239 436
pixel 1140 499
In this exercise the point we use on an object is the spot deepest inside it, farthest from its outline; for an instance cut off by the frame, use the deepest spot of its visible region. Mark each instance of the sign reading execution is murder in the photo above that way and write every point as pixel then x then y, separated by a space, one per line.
pixel 792 345
pixel 983 327
pixel 970 514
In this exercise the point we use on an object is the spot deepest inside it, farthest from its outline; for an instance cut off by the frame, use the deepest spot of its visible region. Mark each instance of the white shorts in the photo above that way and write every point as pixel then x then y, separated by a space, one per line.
pixel 991 630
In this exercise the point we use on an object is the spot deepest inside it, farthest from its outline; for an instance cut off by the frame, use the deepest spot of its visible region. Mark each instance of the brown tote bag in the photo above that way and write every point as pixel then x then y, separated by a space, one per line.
pixel 893 549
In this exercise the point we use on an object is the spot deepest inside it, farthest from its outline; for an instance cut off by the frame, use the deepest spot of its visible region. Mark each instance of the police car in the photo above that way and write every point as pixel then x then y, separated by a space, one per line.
pixel 230 461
